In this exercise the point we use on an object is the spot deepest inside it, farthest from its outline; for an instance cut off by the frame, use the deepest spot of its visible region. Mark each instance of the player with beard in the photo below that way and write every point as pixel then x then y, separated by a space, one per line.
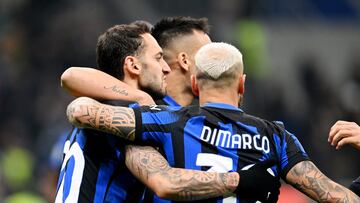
pixel 93 167
pixel 216 135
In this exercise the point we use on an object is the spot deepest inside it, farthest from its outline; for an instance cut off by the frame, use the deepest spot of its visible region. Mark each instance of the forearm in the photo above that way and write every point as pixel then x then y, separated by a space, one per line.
pixel 307 178
pixel 174 183
pixel 80 81
pixel 85 112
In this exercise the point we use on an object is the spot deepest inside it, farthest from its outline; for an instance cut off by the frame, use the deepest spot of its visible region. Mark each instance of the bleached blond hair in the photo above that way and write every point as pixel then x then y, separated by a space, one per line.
pixel 218 61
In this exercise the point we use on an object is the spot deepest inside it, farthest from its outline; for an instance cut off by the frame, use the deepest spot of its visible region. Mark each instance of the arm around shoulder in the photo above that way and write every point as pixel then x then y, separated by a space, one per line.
pixel 149 166
pixel 90 82
pixel 85 112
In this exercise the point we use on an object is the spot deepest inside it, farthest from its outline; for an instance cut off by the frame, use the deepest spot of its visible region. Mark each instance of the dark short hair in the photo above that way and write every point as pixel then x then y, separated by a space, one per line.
pixel 117 43
pixel 169 28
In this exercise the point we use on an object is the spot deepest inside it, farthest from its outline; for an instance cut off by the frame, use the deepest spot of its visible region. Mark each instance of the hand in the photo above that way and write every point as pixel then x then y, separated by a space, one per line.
pixel 344 132
pixel 257 183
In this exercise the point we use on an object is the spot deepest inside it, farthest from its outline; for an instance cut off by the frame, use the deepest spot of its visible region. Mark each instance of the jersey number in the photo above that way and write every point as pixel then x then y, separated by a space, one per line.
pixel 217 163
pixel 71 172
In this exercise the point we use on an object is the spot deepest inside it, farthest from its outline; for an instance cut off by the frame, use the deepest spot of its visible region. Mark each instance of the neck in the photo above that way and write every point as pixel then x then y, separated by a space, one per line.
pixel 131 82
pixel 224 95
pixel 178 89
pixel 183 97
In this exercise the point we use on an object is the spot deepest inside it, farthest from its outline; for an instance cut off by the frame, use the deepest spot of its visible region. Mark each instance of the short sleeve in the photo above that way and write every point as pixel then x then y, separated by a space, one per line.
pixel 291 150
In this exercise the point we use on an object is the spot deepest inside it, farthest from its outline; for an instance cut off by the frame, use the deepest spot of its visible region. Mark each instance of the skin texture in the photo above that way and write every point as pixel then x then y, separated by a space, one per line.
pixel 145 162
pixel 180 184
pixel 153 68
pixel 305 176
pixel 146 72
pixel 81 81
pixel 180 57
pixel 344 133
pixel 308 179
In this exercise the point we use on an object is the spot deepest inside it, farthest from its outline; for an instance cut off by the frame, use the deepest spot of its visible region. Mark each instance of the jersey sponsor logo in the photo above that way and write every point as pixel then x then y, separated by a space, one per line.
pixel 225 139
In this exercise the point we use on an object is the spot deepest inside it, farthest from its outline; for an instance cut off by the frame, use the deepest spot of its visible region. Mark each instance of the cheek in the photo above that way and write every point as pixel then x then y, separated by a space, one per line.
pixel 158 73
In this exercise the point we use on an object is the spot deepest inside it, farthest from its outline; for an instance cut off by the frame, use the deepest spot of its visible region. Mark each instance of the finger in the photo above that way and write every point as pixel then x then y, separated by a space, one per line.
pixel 342 122
pixel 335 129
pixel 349 140
pixel 341 134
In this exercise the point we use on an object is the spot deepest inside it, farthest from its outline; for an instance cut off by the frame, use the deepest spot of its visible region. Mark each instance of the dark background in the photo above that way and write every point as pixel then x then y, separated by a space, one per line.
pixel 302 60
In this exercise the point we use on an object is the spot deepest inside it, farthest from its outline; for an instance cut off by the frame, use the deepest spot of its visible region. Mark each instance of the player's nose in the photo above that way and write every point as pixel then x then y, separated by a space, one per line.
pixel 165 68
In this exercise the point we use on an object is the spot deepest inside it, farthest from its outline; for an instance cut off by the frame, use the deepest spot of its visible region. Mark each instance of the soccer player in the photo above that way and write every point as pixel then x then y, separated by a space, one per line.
pixel 93 168
pixel 179 37
pixel 218 135
pixel 346 133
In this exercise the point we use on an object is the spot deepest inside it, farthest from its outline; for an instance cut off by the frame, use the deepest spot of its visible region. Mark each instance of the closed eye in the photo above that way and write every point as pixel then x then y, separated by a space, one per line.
pixel 159 56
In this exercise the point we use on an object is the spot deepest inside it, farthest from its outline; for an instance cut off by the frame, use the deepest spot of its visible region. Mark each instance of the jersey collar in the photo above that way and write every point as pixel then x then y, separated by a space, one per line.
pixel 222 106
pixel 170 101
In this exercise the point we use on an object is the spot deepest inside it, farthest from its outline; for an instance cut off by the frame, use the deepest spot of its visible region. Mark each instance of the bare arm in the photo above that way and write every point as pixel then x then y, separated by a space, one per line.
pixel 149 166
pixel 90 82
pixel 343 133
pixel 85 112
pixel 307 178
pixel 145 162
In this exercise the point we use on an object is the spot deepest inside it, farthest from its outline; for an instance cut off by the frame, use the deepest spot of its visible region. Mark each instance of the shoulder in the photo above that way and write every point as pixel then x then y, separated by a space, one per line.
pixel 264 125
pixel 159 108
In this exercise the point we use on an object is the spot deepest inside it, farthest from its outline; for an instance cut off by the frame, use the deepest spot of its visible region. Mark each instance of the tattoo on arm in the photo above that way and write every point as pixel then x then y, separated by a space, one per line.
pixel 178 184
pixel 117 90
pixel 88 113
pixel 307 178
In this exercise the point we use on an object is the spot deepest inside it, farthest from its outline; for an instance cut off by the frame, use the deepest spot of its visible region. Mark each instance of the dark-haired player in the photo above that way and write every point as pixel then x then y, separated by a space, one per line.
pixel 179 37
pixel 93 168
pixel 218 134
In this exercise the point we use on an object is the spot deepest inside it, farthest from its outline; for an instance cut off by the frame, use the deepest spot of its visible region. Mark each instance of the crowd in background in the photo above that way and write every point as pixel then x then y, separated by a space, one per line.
pixel 40 39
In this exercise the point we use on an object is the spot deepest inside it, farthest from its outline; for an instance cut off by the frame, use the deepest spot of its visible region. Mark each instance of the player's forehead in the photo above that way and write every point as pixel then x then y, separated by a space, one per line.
pixel 150 44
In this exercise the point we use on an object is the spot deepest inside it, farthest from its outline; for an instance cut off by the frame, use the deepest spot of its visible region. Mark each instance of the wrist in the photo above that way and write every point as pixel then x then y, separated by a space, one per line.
pixel 232 181
pixel 238 186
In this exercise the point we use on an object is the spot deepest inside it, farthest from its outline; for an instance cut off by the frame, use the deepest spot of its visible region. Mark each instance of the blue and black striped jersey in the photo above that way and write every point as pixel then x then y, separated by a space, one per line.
pixel 217 137
pixel 94 170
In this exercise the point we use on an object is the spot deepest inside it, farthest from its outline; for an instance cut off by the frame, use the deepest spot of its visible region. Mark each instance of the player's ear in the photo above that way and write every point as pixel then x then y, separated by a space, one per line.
pixel 132 65
pixel 183 60
pixel 194 85
pixel 242 84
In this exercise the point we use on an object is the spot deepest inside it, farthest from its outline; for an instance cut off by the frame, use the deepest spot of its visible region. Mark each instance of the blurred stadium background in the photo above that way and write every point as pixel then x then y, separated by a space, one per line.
pixel 302 60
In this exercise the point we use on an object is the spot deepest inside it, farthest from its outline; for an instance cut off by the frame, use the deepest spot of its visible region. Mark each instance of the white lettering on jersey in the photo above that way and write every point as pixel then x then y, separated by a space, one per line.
pixel 224 138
